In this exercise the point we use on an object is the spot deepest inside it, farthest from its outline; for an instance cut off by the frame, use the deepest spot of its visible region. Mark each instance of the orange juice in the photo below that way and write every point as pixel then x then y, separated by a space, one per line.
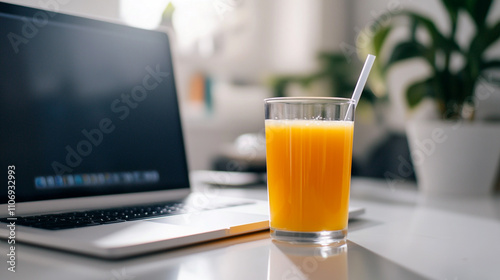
pixel 309 174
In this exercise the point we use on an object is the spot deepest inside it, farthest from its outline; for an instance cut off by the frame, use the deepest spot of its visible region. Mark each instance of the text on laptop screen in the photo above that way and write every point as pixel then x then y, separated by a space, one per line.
pixel 86 107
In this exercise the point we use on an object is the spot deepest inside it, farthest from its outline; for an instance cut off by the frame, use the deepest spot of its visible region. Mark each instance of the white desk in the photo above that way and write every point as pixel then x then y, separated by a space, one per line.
pixel 401 236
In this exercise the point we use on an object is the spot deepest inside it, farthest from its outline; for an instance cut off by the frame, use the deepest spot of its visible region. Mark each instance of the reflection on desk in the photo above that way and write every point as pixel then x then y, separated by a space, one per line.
pixel 252 256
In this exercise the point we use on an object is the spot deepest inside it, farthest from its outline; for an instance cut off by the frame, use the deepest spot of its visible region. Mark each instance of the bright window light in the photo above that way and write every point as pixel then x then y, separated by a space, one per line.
pixel 143 14
pixel 195 21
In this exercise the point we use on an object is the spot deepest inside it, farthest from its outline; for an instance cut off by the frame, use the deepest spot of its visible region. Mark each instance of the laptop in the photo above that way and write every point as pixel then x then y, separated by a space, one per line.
pixel 91 142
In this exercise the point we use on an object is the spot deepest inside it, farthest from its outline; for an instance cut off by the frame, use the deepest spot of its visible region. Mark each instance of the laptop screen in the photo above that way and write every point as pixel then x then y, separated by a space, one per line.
pixel 86 107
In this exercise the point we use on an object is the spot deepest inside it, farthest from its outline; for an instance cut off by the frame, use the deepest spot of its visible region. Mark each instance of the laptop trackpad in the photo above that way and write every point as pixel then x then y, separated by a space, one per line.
pixel 212 220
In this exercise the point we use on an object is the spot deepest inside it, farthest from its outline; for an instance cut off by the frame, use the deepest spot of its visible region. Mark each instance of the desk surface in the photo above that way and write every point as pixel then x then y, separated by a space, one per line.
pixel 401 236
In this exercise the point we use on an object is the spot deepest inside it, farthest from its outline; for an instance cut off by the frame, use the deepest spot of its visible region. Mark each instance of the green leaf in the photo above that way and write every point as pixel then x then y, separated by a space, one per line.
pixel 492 35
pixel 478 10
pixel 332 57
pixel 417 91
pixel 413 30
pixel 439 41
pixel 279 86
pixel 452 6
pixel 407 50
pixel 490 64
pixel 379 38
pixel 483 40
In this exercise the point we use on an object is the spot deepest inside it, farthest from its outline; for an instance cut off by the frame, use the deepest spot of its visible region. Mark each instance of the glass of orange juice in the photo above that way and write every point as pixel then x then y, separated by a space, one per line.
pixel 309 155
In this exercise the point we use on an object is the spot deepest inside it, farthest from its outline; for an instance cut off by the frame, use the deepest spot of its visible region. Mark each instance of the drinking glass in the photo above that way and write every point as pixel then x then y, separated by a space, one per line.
pixel 309 155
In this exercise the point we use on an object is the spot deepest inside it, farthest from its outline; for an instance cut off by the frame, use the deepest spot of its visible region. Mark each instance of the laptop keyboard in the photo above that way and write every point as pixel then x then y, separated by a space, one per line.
pixel 113 215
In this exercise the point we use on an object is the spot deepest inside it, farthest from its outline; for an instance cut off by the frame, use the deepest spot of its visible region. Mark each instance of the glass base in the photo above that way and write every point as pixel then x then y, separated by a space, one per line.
pixel 316 237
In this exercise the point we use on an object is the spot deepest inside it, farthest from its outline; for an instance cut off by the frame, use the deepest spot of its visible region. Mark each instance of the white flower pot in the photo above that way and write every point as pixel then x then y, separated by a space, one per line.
pixel 455 158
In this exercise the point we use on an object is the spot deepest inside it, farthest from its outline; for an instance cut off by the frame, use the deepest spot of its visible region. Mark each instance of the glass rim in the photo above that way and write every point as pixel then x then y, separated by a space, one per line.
pixel 310 100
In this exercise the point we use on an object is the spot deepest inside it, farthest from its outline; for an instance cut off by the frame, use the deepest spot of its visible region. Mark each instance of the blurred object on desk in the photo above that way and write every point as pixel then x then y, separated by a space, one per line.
pixel 226 178
pixel 246 154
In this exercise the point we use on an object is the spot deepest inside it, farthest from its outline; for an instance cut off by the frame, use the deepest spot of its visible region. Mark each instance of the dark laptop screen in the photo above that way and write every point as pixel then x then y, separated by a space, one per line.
pixel 86 107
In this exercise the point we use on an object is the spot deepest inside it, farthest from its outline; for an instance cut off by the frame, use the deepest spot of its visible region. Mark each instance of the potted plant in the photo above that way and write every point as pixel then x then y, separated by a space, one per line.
pixel 452 153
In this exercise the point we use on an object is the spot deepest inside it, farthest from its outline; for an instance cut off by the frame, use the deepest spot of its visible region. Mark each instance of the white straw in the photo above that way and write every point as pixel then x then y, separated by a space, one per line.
pixel 360 85
pixel 363 77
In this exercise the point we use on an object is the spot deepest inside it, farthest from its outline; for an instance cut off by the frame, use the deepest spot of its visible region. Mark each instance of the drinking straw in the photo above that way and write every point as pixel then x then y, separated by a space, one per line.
pixel 361 81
